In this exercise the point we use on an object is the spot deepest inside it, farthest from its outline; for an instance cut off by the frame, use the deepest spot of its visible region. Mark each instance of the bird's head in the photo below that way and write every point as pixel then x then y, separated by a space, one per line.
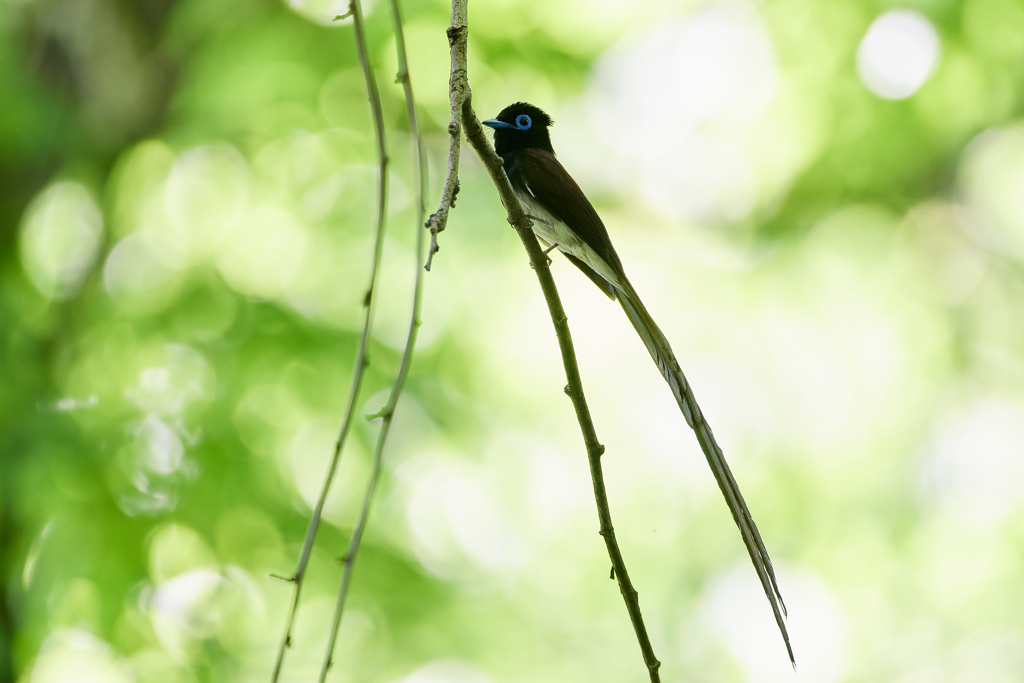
pixel 520 126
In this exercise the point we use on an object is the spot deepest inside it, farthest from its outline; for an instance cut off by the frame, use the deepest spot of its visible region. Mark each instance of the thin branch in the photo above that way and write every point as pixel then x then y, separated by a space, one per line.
pixel 458 91
pixel 419 161
pixel 388 411
pixel 574 389
pixel 361 358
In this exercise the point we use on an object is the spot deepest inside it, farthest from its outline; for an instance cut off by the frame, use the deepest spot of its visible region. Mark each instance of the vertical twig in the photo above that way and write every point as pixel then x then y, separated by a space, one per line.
pixel 361 358
pixel 388 411
pixel 462 116
pixel 574 389
pixel 458 91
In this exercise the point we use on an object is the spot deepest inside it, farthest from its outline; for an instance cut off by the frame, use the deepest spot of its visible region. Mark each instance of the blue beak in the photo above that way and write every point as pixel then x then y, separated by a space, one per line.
pixel 495 123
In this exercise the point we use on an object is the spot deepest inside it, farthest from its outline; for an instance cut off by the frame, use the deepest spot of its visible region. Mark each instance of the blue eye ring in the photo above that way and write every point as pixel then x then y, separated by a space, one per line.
pixel 523 122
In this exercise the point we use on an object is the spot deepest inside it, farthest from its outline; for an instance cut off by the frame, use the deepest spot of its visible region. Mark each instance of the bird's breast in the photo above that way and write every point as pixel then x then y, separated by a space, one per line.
pixel 554 231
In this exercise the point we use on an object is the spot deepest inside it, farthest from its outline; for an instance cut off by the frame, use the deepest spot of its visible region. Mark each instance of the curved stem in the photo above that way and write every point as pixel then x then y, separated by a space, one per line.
pixel 458 91
pixel 388 411
pixel 361 357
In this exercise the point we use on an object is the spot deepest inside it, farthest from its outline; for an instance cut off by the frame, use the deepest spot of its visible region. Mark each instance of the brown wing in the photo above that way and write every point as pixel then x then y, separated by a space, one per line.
pixel 555 189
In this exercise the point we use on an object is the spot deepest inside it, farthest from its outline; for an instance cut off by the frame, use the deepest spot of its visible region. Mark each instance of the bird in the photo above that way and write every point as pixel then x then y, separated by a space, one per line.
pixel 564 219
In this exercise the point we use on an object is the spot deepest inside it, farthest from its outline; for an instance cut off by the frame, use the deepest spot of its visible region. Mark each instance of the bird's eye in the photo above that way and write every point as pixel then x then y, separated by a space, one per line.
pixel 523 122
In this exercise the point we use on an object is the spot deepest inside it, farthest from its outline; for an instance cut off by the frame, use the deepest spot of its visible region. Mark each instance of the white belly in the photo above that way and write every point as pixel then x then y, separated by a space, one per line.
pixel 549 229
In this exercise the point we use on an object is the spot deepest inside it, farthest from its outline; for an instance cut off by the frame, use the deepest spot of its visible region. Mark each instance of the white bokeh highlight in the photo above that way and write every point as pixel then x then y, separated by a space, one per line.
pixel 989 188
pixel 458 512
pixel 734 612
pixel 898 54
pixel 703 79
pixel 448 670
pixel 974 470
pixel 60 238
pixel 207 193
pixel 77 655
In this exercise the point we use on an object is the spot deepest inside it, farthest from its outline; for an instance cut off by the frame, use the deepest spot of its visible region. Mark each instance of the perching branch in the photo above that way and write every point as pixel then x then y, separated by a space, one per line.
pixel 462 115
pixel 458 91
pixel 574 389
pixel 361 358
pixel 388 411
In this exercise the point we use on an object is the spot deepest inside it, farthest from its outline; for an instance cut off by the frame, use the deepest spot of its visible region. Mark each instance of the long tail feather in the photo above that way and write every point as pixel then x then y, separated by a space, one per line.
pixel 662 354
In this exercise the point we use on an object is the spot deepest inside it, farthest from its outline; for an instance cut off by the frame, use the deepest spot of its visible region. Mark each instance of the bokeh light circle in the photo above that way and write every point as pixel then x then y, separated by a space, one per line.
pixel 897 54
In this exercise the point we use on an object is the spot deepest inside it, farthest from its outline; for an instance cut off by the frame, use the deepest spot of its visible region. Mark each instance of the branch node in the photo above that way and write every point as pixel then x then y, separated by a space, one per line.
pixel 294 578
pixel 455 33
pixel 387 412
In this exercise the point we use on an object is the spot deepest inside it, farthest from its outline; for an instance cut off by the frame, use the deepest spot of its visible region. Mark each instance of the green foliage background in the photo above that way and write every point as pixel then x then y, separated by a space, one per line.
pixel 186 197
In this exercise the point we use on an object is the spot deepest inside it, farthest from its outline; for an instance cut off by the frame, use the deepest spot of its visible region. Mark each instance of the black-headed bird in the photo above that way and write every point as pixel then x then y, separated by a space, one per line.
pixel 563 218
